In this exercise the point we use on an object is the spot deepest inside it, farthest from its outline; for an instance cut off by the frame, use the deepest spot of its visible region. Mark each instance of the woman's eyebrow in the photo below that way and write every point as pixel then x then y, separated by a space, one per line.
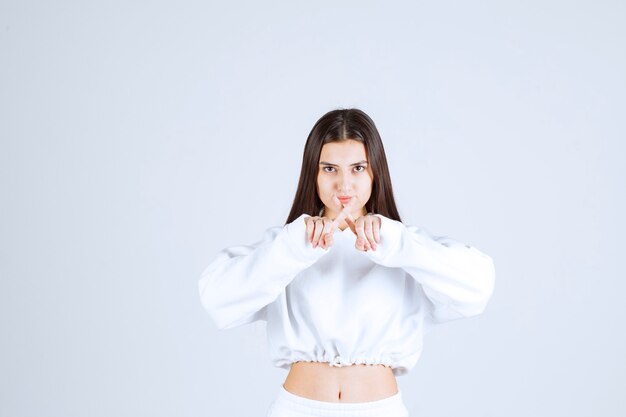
pixel 335 165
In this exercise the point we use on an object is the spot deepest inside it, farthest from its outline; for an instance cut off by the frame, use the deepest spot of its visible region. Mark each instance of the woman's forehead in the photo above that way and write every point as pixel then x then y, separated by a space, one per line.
pixel 344 152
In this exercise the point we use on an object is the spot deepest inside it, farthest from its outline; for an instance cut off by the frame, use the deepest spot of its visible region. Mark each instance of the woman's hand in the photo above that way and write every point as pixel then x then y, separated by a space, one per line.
pixel 319 230
pixel 367 230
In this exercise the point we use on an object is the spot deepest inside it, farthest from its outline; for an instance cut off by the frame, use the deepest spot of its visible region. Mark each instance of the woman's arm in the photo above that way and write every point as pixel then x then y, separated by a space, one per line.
pixel 241 280
pixel 458 279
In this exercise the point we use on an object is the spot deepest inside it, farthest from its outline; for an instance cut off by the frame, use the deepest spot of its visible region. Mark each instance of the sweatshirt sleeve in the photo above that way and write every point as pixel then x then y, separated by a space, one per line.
pixel 457 279
pixel 242 280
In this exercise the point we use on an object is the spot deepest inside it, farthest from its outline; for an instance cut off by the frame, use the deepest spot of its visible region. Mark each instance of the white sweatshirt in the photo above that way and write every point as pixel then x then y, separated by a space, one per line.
pixel 345 306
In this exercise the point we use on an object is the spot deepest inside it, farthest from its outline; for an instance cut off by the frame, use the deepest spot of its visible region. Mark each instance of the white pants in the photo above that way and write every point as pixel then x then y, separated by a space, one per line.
pixel 288 404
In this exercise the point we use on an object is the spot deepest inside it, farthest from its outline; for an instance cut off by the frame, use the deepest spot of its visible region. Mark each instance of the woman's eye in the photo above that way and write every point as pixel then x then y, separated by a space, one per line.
pixel 360 166
pixel 328 168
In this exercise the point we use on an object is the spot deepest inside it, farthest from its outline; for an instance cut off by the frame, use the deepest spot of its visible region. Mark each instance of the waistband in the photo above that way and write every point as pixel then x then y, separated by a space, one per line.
pixel 392 406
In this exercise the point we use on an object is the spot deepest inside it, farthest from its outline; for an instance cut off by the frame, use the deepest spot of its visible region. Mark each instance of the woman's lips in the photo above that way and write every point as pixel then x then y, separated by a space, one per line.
pixel 344 199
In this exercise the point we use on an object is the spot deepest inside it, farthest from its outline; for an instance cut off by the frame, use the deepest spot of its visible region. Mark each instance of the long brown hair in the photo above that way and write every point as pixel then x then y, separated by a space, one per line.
pixel 336 126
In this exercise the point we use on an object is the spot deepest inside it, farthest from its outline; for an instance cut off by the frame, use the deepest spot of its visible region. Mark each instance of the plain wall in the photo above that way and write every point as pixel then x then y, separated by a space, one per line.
pixel 140 138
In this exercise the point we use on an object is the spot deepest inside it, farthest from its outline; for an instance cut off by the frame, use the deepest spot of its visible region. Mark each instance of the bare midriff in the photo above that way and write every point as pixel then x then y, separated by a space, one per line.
pixel 350 384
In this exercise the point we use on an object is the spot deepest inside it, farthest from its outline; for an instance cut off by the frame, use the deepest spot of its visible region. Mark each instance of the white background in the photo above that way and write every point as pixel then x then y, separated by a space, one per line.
pixel 139 138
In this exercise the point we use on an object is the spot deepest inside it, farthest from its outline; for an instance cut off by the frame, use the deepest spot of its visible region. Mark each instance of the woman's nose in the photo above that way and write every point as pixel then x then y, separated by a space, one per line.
pixel 344 185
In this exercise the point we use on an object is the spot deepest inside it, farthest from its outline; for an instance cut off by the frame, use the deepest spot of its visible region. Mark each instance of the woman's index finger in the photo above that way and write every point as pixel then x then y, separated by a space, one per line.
pixel 350 220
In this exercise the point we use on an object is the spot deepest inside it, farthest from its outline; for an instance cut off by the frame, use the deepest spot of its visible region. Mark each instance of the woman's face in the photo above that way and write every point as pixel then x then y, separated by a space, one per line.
pixel 344 171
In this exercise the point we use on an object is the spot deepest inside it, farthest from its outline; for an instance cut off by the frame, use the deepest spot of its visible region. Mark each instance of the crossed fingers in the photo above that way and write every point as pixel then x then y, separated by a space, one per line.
pixel 319 231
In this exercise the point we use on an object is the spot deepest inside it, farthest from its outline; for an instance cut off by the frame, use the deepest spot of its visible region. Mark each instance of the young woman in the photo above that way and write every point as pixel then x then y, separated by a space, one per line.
pixel 346 289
